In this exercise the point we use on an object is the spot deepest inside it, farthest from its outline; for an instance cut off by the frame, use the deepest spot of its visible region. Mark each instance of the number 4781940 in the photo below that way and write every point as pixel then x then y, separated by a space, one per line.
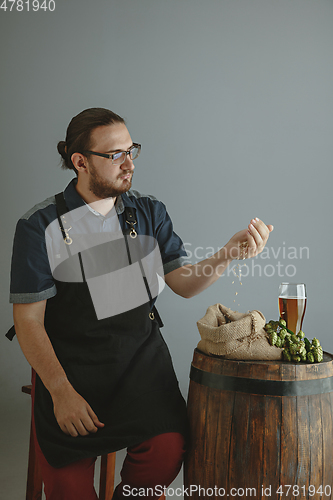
pixel 27 5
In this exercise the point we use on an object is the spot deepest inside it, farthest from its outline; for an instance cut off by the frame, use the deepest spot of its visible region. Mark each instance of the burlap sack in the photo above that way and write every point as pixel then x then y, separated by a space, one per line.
pixel 235 335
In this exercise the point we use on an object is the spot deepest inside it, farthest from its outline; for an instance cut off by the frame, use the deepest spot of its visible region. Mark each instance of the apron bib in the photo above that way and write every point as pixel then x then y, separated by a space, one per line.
pixel 120 365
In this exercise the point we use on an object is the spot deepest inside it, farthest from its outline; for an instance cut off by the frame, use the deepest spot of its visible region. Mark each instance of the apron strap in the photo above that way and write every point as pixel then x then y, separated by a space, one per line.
pixel 61 205
pixel 61 211
pixel 130 217
pixel 131 220
pixel 11 333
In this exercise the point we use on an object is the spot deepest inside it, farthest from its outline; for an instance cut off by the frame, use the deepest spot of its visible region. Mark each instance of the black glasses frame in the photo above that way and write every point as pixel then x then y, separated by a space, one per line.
pixel 111 155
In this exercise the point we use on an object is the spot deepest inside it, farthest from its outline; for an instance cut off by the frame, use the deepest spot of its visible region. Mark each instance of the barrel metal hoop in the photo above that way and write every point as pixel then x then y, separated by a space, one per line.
pixel 260 386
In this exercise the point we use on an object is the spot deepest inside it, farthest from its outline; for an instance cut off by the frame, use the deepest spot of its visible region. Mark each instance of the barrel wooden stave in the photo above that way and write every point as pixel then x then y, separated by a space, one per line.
pixel 242 440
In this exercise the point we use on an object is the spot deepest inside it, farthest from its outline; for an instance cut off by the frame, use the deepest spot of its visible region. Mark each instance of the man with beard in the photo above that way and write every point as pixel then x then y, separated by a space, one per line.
pixel 103 384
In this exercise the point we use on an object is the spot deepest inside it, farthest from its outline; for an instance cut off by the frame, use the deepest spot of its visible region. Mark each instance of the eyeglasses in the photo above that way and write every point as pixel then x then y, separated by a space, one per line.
pixel 119 157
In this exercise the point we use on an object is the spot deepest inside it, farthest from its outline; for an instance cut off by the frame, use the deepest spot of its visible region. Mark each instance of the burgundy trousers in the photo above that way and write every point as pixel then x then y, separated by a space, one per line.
pixel 151 465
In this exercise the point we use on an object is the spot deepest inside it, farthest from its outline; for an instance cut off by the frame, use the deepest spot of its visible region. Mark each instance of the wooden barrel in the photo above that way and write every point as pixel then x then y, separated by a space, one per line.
pixel 260 429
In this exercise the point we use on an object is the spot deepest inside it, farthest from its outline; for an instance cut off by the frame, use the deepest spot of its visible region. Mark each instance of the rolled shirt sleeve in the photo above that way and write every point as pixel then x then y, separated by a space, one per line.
pixel 31 277
pixel 171 246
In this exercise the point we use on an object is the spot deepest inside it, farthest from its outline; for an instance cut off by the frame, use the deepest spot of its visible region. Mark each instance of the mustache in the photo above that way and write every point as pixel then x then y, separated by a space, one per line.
pixel 126 172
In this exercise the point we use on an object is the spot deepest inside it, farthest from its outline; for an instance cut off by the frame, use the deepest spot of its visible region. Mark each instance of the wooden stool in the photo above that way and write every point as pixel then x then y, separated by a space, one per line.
pixel 34 481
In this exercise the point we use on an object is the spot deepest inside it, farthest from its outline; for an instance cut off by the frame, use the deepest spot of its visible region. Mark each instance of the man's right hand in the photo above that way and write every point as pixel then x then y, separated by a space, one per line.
pixel 73 413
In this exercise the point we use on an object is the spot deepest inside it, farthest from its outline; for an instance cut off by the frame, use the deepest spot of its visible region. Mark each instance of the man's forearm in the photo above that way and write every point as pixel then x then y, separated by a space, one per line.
pixel 190 280
pixel 38 350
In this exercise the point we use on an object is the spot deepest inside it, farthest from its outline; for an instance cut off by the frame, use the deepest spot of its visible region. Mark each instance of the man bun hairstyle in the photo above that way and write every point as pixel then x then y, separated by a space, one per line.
pixel 79 132
pixel 61 147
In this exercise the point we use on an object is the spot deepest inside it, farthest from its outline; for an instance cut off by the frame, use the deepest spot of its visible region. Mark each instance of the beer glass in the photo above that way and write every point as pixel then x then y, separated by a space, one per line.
pixel 292 304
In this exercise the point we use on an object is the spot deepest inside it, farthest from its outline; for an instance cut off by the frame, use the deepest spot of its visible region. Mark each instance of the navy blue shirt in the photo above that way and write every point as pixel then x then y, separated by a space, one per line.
pixel 31 275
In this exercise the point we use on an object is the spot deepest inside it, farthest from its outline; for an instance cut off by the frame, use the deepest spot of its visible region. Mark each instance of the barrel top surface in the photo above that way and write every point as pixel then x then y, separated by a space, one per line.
pixel 269 370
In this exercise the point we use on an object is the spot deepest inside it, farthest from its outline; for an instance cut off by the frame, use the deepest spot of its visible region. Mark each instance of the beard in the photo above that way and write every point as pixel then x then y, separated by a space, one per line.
pixel 106 189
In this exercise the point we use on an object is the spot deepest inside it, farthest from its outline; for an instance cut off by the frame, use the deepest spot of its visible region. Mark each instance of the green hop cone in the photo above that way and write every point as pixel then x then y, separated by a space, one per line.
pixel 278 341
pixel 287 341
pixel 295 347
pixel 303 356
pixel 301 346
pixel 282 334
pixel 307 344
pixel 318 355
pixel 273 338
pixel 294 339
pixel 302 351
pixel 310 357
pixel 282 337
pixel 286 355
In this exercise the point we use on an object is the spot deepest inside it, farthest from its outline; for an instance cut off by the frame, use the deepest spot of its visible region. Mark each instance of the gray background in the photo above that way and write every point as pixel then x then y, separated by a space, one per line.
pixel 232 101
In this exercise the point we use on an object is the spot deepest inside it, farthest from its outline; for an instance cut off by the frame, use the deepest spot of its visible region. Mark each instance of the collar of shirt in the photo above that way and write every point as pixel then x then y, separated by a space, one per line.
pixel 75 202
